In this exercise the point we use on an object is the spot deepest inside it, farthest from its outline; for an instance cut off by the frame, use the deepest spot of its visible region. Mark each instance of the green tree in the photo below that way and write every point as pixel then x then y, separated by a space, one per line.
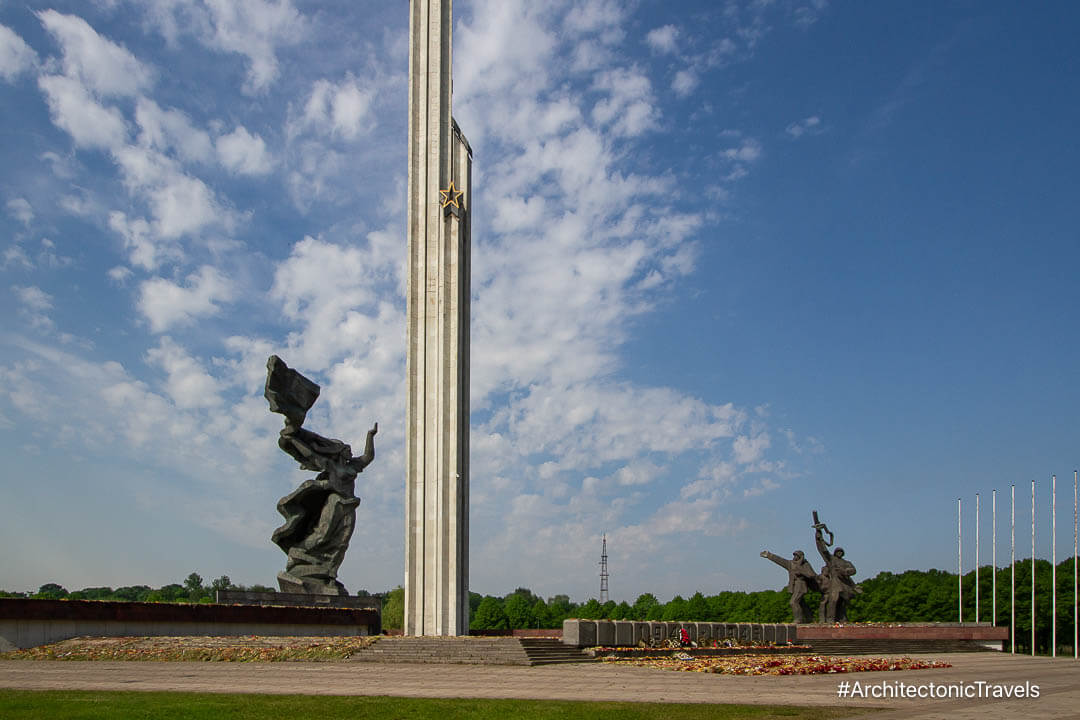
pixel 194 586
pixel 644 603
pixel 132 593
pixel 560 608
pixel 696 608
pixel 51 591
pixel 490 615
pixel 675 610
pixel 92 593
pixel 393 609
pixel 222 583
pixel 591 610
pixel 518 611
pixel 542 615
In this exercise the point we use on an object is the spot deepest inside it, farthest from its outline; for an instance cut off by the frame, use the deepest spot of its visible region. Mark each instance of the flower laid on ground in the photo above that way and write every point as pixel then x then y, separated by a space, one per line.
pixel 250 648
pixel 779 664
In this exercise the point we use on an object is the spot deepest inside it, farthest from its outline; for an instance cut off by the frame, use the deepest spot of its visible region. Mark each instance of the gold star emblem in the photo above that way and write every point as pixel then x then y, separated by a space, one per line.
pixel 451 196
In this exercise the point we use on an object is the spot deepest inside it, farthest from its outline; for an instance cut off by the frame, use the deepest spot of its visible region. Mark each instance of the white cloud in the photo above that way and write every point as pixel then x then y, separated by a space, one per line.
pixel 187 383
pixel 21 210
pixel 101 65
pixel 120 274
pixel 342 110
pixel 748 151
pixel 244 153
pixel 145 250
pixel 628 108
pixel 741 156
pixel 329 291
pixel 509 44
pixel 254 28
pixel 166 304
pixel 171 129
pixel 684 83
pixel 15 255
pixel 663 39
pixel 90 124
pixel 36 304
pixel 596 16
pixel 16 57
pixel 750 448
pixel 806 126
pixel 179 203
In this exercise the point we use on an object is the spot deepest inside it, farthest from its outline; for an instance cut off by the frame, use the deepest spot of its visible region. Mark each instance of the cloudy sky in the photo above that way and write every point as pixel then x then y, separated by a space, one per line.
pixel 732 262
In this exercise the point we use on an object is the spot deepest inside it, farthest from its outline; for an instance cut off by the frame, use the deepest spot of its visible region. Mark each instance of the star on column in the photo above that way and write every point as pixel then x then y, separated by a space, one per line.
pixel 451 196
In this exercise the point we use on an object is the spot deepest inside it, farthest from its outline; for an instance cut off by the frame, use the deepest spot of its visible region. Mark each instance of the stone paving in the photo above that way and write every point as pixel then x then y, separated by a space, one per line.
pixel 1058 681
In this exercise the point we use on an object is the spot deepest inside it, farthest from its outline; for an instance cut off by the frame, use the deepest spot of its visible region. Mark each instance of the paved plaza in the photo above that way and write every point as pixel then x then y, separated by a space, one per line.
pixel 1058 681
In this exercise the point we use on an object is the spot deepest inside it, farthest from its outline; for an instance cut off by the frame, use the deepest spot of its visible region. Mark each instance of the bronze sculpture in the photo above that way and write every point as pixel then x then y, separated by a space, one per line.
pixel 320 515
pixel 801 579
pixel 837 587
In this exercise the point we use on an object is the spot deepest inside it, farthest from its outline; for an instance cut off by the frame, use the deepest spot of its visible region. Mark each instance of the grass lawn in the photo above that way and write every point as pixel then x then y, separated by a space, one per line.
pixel 20 704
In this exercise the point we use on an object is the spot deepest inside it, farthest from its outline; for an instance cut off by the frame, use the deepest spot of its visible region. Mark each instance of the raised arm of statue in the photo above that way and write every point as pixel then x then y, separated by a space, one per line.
pixel 364 460
pixel 819 538
pixel 782 562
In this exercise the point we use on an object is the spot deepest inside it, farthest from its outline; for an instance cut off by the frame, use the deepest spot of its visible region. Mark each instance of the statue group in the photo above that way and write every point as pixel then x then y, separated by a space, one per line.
pixel 320 514
pixel 833 582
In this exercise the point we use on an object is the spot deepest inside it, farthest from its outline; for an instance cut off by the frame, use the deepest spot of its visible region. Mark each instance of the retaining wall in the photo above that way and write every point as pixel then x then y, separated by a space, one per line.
pixel 27 623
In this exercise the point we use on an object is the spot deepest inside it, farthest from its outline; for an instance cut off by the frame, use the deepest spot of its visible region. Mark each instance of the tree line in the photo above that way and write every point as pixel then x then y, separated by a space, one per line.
pixel 911 596
pixel 192 590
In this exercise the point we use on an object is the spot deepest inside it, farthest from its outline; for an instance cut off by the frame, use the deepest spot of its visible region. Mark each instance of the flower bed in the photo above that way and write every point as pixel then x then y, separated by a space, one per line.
pixel 249 648
pixel 761 664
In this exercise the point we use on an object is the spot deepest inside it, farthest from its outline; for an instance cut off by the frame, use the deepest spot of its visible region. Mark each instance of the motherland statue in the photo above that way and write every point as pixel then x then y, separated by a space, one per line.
pixel 320 514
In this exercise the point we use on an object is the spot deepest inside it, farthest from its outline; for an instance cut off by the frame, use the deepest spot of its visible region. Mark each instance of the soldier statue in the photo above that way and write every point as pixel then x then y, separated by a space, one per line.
pixel 801 579
pixel 837 587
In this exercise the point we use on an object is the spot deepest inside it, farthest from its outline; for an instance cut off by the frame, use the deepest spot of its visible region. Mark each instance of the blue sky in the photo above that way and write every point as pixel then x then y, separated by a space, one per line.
pixel 732 262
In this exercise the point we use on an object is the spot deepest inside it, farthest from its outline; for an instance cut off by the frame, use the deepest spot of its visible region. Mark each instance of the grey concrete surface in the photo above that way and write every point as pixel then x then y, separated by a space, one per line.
pixel 1058 681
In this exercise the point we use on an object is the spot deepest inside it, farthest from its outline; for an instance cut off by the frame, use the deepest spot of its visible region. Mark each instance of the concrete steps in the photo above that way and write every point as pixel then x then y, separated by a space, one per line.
pixel 549 651
pixel 470 651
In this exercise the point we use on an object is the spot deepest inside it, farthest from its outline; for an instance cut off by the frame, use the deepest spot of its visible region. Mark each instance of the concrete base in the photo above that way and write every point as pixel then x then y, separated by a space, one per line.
pixel 28 623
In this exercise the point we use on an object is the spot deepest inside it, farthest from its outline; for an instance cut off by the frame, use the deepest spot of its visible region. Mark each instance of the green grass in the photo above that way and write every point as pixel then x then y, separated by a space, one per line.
pixel 20 704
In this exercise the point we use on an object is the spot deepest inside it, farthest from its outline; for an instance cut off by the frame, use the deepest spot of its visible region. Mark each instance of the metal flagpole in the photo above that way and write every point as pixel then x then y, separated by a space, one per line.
pixel 959 565
pixel 977 523
pixel 1053 566
pixel 993 557
pixel 1033 567
pixel 1012 566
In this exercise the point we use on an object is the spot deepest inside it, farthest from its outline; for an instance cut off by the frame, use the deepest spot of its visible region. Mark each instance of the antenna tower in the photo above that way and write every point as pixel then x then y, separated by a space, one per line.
pixel 603 573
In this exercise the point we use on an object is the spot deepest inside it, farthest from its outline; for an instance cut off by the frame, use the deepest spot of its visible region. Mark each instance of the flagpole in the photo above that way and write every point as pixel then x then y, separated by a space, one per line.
pixel 1033 568
pixel 977 524
pixel 1053 566
pixel 1012 566
pixel 959 565
pixel 993 557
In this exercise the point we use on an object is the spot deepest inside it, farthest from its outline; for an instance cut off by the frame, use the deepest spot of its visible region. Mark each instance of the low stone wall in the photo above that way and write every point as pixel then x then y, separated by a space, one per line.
pixel 982 632
pixel 27 623
pixel 627 633
pixel 518 633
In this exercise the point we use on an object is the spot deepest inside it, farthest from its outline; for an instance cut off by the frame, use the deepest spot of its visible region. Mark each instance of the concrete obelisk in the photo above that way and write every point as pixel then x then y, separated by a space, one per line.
pixel 437 415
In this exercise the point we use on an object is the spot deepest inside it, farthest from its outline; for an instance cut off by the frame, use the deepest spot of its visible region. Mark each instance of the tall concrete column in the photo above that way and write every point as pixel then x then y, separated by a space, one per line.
pixel 437 415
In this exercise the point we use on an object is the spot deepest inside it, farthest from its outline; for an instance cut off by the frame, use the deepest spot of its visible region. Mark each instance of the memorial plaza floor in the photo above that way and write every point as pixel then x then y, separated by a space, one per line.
pixel 1058 683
